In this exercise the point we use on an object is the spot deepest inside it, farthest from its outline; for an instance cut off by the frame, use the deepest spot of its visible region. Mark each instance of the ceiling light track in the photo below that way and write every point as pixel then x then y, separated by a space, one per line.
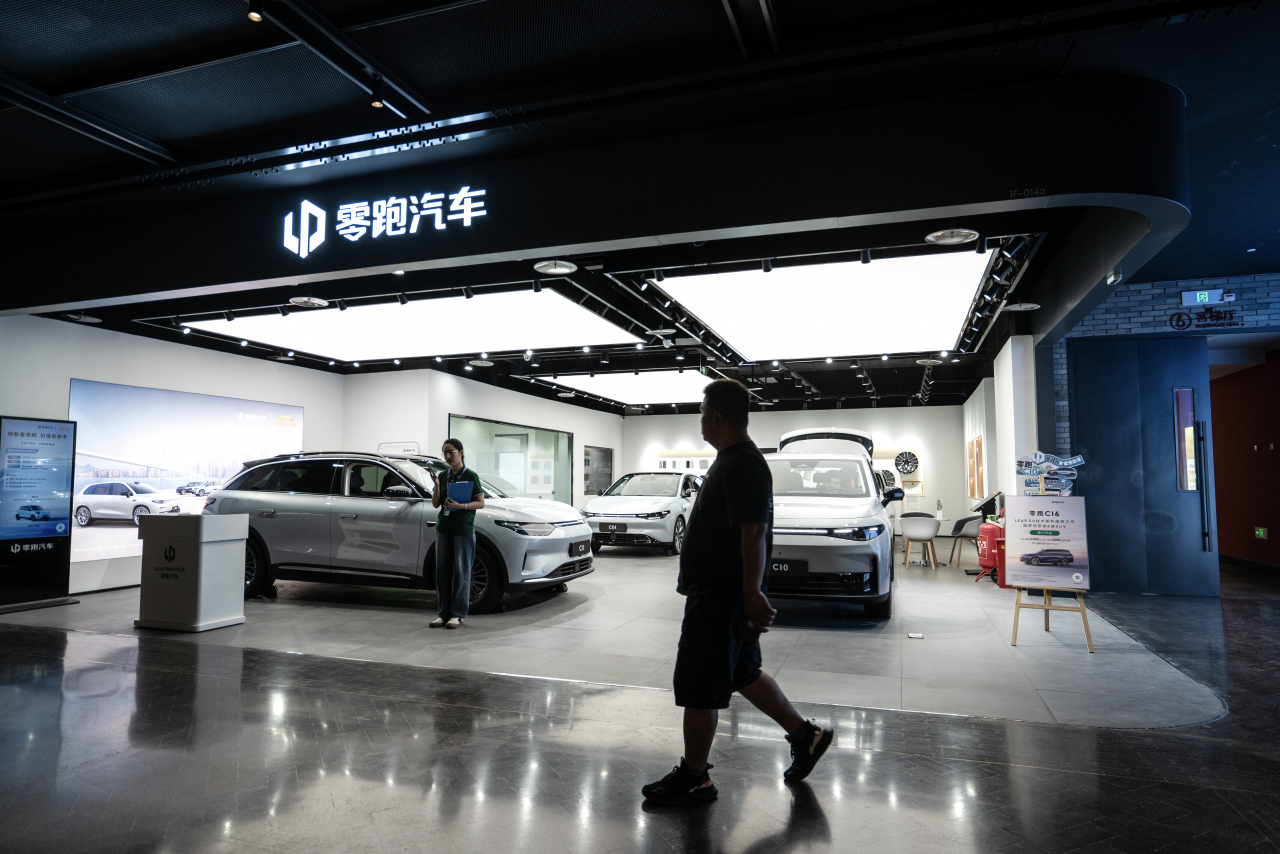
pixel 1011 258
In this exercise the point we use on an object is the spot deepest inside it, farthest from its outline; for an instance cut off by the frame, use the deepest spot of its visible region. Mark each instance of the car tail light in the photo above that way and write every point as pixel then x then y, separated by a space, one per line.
pixel 209 501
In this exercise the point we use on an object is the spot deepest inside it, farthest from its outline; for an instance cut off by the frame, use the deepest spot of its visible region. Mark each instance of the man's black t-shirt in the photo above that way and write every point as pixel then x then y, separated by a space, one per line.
pixel 738 488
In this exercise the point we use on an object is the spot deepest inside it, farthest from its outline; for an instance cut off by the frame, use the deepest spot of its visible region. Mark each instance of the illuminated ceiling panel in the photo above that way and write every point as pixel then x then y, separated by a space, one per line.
pixel 893 305
pixel 642 388
pixel 489 322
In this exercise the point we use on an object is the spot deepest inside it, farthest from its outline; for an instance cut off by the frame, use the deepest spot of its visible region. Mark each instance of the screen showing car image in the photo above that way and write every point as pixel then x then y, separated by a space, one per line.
pixel 662 485
pixel 142 451
pixel 816 476
pixel 35 484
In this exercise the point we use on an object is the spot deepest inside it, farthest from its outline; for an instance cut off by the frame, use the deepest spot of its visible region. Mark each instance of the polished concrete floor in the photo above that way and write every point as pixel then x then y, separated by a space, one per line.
pixel 620 625
pixel 115 743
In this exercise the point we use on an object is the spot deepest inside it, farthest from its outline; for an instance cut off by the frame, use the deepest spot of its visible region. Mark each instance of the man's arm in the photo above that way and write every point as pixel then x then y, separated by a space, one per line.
pixel 756 604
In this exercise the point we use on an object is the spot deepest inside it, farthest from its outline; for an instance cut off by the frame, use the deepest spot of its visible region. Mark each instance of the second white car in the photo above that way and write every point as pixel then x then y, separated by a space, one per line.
pixel 643 509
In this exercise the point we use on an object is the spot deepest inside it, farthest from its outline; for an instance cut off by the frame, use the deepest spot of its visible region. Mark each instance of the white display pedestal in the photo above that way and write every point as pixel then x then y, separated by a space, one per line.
pixel 192 572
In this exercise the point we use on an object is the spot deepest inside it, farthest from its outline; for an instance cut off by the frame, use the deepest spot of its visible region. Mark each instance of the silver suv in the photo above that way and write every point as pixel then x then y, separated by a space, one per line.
pixel 367 519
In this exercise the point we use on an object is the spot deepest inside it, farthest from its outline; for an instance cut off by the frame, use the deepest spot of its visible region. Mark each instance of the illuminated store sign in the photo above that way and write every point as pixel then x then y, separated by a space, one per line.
pixel 391 217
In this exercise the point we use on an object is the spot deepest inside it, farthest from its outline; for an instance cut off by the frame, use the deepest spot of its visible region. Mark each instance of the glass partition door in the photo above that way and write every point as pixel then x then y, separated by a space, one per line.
pixel 523 462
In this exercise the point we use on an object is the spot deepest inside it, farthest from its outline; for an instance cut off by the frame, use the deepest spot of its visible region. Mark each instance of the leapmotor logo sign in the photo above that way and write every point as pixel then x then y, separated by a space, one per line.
pixel 391 217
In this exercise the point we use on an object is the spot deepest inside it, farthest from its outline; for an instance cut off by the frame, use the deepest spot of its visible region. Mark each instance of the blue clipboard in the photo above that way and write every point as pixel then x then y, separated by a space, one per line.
pixel 461 492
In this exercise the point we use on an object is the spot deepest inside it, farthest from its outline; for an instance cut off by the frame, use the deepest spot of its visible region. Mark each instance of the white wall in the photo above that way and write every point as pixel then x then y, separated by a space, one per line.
pixel 934 433
pixel 980 421
pixel 416 405
pixel 41 357
pixel 1015 394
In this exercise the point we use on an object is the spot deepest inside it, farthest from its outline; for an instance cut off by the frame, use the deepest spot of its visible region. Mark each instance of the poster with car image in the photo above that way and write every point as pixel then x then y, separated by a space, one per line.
pixel 142 451
pixel 35 483
pixel 1045 542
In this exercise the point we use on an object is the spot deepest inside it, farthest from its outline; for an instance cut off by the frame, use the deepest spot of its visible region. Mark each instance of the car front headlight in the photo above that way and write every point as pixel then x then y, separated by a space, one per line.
pixel 587 515
pixel 527 529
pixel 659 515
pixel 869 532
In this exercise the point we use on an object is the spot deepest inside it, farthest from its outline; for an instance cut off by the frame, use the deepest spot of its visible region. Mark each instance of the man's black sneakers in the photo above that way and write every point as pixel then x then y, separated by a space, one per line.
pixel 682 786
pixel 807 746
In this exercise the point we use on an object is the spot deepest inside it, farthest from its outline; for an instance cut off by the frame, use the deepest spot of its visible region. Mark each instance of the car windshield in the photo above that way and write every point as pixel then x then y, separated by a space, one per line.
pixel 500 488
pixel 142 488
pixel 36 507
pixel 661 485
pixel 420 471
pixel 817 476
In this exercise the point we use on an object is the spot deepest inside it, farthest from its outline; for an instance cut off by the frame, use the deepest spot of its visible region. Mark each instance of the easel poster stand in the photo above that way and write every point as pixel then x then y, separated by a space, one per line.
pixel 1047 549
pixel 1048 606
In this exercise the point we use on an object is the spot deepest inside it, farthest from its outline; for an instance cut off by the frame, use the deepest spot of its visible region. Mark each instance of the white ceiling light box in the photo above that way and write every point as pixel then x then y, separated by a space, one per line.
pixel 893 305
pixel 493 322
pixel 645 387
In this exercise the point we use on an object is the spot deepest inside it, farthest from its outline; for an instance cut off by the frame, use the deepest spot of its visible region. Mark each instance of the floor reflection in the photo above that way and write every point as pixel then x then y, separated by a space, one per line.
pixel 116 743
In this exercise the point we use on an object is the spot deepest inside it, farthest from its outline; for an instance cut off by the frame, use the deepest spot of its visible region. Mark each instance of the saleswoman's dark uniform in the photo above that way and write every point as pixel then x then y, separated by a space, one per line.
pixel 719 653
pixel 455 548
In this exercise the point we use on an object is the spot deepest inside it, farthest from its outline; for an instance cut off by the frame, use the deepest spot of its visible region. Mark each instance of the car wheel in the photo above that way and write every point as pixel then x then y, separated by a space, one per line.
pixel 17 517
pixel 677 539
pixel 138 513
pixel 880 610
pixel 1035 561
pixel 83 516
pixel 487 585
pixel 257 571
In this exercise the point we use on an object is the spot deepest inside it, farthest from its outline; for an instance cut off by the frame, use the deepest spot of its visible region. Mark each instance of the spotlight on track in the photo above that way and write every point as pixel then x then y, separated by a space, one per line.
pixel 659 275
pixel 981 248
pixel 229 315
pixel 255 10
pixel 284 310
pixel 403 299
pixel 866 256
pixel 668 343
pixel 342 305
pixel 766 265
pixel 467 292
pixel 528 355
pixel 379 93
pixel 537 286
pixel 680 355
pixel 604 357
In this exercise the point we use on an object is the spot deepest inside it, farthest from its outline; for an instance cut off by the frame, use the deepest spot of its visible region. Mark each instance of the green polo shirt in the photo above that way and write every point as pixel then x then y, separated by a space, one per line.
pixel 458 521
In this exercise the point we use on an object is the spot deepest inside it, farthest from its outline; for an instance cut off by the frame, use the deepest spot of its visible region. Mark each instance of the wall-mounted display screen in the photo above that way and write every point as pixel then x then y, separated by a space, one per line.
pixel 35 484
pixel 150 451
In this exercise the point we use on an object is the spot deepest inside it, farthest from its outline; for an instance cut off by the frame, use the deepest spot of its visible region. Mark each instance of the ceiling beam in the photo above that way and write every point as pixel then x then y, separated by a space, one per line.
pixel 97 128
pixel 309 26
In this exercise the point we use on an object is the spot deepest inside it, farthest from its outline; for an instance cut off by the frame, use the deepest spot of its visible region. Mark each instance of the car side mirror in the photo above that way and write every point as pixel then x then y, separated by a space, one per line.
pixel 600 492
pixel 895 494
pixel 398 491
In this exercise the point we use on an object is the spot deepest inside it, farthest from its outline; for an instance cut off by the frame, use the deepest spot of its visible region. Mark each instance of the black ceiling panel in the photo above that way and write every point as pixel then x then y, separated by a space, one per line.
pixel 500 52
pixel 287 86
pixel 49 41
pixel 34 149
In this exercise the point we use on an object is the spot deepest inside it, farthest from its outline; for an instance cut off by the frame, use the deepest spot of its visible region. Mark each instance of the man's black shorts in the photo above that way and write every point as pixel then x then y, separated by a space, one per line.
pixel 719 653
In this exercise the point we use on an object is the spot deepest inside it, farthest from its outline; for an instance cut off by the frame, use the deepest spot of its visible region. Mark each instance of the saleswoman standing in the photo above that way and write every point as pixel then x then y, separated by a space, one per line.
pixel 455 536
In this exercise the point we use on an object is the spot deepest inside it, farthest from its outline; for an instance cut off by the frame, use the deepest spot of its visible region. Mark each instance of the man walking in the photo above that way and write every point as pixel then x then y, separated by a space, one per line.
pixel 722 573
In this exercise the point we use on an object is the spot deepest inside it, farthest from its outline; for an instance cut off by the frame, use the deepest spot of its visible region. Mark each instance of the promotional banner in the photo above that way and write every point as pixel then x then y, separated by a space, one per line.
pixel 1045 542
pixel 146 451
pixel 37 456
pixel 1058 473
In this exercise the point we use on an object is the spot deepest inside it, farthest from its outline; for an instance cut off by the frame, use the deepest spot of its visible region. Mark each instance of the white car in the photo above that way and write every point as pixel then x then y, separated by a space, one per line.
pixel 832 536
pixel 643 509
pixel 360 518
pixel 118 499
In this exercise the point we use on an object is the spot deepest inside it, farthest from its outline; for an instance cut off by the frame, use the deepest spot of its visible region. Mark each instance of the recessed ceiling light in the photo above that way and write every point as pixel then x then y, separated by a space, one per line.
pixel 484 355
pixel 186 330
pixel 395 361
pixel 639 346
pixel 555 267
pixel 255 10
pixel 564 394
pixel 1022 306
pixel 439 359
pixel 648 387
pixel 309 302
pixel 357 364
pixel 397 272
pixel 1251 250
pixel 951 236
pixel 953 361
pixel 244 343
pixel 885 357
pixel 943 354
pixel 331 361
pixel 586 349
pixel 934 291
pixel 479 363
pixel 467 368
pixel 505 322
pixel 290 353
pixel 828 360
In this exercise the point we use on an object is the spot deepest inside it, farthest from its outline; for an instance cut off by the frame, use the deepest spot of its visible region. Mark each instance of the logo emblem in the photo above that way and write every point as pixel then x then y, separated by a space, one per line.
pixel 61 527
pixel 1077 577
pixel 1180 321
pixel 308 238
pixel 15 548
pixel 170 554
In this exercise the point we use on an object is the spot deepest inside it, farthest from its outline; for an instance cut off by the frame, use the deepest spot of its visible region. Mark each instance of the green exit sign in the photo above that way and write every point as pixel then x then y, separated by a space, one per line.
pixel 1260 533
pixel 1205 297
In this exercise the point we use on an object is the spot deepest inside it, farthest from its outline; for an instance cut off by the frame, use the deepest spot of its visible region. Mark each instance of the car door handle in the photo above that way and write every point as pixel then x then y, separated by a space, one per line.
pixel 346 515
pixel 265 513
